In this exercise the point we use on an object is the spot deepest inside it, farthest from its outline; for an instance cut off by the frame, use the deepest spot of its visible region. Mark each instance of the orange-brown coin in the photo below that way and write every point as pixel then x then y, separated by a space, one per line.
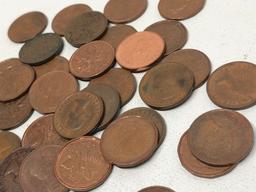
pixel 80 165
pixel 156 189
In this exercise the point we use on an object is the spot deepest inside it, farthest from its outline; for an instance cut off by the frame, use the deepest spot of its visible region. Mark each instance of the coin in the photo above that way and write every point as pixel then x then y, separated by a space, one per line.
pixel 15 79
pixel 80 165
pixel 66 15
pixel 119 11
pixel 27 26
pixel 85 28
pixel 92 59
pixel 233 85
pixel 156 189
pixel 221 137
pixel 41 49
pixel 129 141
pixel 140 50
pixel 78 114
pixel 173 32
pixel 48 90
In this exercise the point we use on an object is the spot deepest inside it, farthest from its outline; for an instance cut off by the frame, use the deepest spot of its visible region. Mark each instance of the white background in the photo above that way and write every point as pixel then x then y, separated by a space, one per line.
pixel 225 31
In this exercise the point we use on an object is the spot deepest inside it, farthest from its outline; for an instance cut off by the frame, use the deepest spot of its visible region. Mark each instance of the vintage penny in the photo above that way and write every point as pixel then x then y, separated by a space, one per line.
pixel 27 26
pixel 180 9
pixel 78 114
pixel 167 85
pixel 48 91
pixel 81 166
pixel 65 16
pixel 119 11
pixel 156 189
pixel 86 28
pixel 41 132
pixel 37 170
pixel 15 79
pixel 173 32
pixel 140 50
pixel 129 141
pixel 92 59
pixel 41 49
pixel 233 85
pixel 221 137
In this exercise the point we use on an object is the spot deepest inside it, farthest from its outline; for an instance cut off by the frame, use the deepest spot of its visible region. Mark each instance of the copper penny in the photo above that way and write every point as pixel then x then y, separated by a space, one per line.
pixel 173 32
pixel 121 80
pixel 92 59
pixel 78 114
pixel 180 9
pixel 81 166
pixel 15 79
pixel 129 141
pixel 10 168
pixel 195 60
pixel 167 85
pixel 119 11
pixel 233 85
pixel 140 50
pixel 66 15
pixel 48 90
pixel 221 137
pixel 27 26
pixel 37 170
pixel 156 189
pixel 41 132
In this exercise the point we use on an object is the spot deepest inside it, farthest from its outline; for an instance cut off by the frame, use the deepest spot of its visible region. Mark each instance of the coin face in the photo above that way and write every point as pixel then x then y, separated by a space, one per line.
pixel 80 165
pixel 156 189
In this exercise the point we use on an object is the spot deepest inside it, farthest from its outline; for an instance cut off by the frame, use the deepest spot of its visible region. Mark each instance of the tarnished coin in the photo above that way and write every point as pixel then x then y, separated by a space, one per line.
pixel 27 26
pixel 233 85
pixel 81 166
pixel 166 86
pixel 119 11
pixel 41 49
pixel 129 141
pixel 173 32
pixel 15 79
pixel 92 59
pixel 221 137
pixel 156 189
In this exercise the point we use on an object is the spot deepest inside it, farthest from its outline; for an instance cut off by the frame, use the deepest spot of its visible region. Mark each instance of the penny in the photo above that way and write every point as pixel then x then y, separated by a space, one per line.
pixel 27 26
pixel 180 9
pixel 15 79
pixel 37 170
pixel 80 165
pixel 156 189
pixel 9 170
pixel 78 115
pixel 92 59
pixel 65 16
pixel 129 141
pixel 166 86
pixel 41 49
pixel 48 90
pixel 140 50
pixel 86 28
pixel 173 32
pixel 233 85
pixel 41 132
pixel 221 137
pixel 121 80
pixel 119 11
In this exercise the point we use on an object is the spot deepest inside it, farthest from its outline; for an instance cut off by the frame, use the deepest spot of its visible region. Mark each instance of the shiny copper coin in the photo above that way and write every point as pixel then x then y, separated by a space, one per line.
pixel 37 170
pixel 140 50
pixel 221 137
pixel 48 91
pixel 92 59
pixel 233 85
pixel 129 141
pixel 119 11
pixel 27 26
pixel 81 166
pixel 156 189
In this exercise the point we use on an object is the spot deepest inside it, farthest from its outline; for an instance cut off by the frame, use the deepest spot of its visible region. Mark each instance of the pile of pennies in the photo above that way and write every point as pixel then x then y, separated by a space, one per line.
pixel 59 152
